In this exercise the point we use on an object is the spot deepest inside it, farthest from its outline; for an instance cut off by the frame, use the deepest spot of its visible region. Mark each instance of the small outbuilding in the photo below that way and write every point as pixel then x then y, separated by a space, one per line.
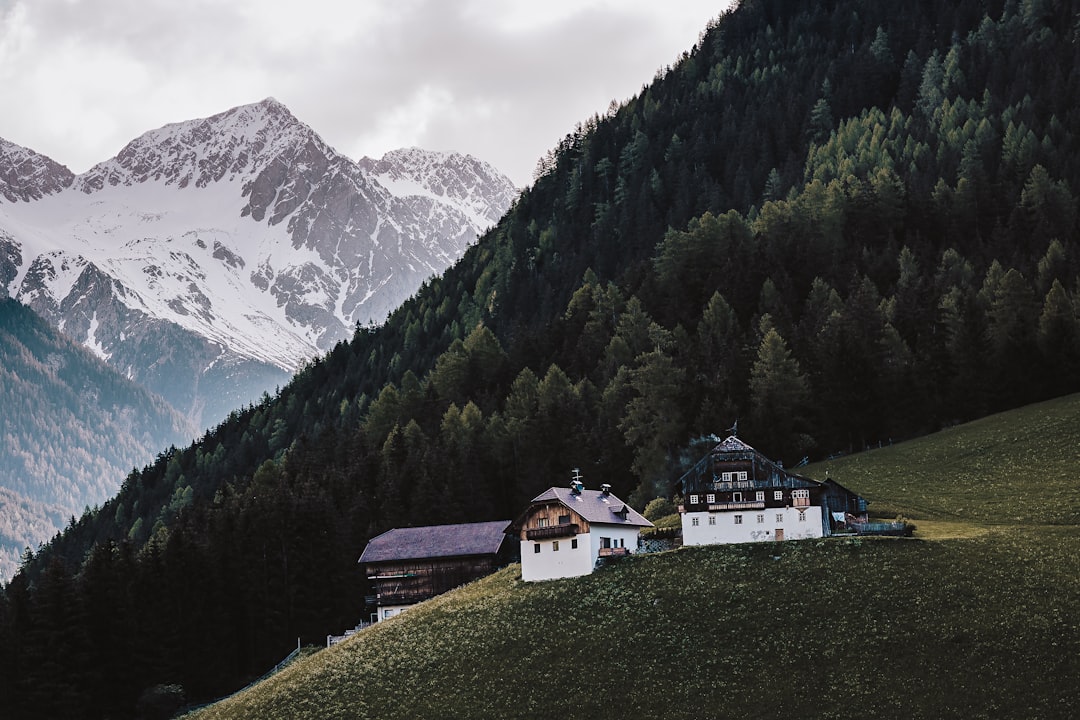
pixel 408 565
pixel 564 532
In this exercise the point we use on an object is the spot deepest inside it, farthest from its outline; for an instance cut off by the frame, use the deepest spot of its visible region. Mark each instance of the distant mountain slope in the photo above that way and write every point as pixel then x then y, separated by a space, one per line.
pixel 72 429
pixel 210 258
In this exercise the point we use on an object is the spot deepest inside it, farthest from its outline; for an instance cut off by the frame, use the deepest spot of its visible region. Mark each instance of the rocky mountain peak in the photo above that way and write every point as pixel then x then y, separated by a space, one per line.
pixel 26 175
pixel 233 145
pixel 473 185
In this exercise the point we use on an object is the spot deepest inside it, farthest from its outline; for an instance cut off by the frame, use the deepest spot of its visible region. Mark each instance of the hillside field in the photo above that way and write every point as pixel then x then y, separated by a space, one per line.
pixel 984 624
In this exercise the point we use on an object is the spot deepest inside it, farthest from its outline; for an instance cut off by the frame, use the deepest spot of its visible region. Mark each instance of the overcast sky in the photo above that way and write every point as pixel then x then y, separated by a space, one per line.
pixel 503 80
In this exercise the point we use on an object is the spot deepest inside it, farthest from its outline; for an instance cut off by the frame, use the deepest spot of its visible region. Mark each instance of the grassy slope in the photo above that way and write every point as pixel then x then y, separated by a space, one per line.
pixel 987 626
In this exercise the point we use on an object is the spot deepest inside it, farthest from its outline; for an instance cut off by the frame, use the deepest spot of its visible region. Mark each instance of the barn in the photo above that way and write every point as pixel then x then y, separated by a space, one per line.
pixel 409 565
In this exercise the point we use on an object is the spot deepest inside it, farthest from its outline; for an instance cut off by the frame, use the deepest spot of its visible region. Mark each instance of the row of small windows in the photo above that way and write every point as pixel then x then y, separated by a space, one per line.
pixel 759 496
pixel 739 519
pixel 734 476
pixel 555 546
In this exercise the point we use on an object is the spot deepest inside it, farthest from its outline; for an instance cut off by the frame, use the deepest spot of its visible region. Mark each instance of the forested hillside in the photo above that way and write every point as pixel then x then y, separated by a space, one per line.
pixel 836 222
pixel 71 429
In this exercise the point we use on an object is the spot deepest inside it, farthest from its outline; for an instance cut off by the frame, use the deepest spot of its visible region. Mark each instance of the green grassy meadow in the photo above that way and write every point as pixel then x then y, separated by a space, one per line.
pixel 980 618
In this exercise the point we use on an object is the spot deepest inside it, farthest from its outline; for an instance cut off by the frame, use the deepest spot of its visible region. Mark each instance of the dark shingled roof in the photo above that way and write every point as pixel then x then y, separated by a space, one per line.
pixel 417 543
pixel 595 506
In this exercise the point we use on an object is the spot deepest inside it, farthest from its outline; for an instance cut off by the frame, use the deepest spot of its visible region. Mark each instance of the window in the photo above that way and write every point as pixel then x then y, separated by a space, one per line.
pixel 564 519
pixel 555 546
pixel 605 542
pixel 712 519
pixel 800 498
pixel 573 544
pixel 541 522
pixel 727 477
pixel 736 497
pixel 694 499
pixel 742 476
pixel 778 495
pixel 536 548
pixel 760 496
pixel 710 498
pixel 738 519
pixel 802 516
pixel 694 522
pixel 388 613
pixel 779 517
pixel 761 518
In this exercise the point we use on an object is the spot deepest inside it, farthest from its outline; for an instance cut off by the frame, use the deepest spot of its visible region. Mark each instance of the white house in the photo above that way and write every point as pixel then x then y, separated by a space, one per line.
pixel 564 531
pixel 735 494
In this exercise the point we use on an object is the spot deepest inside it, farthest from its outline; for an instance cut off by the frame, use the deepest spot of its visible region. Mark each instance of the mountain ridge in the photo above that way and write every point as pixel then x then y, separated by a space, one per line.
pixel 242 236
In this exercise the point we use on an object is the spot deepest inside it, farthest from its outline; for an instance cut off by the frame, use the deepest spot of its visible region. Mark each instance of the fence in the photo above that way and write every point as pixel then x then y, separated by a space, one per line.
pixel 335 639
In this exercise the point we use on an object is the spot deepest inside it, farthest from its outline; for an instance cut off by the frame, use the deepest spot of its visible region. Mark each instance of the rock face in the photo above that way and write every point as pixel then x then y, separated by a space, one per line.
pixel 210 258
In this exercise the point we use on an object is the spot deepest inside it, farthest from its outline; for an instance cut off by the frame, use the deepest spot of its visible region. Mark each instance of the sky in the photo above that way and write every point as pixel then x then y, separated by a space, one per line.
pixel 502 80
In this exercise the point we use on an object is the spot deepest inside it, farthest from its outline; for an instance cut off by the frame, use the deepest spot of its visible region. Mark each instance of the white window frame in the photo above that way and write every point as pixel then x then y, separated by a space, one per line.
pixel 778 495
pixel 759 496
pixel 742 476
pixel 761 518
pixel 779 518
pixel 694 499
pixel 710 498
pixel 694 522
pixel 738 519
pixel 712 519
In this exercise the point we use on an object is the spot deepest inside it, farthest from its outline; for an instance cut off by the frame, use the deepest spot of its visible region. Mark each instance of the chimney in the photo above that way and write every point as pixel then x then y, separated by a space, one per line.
pixel 576 486
pixel 605 489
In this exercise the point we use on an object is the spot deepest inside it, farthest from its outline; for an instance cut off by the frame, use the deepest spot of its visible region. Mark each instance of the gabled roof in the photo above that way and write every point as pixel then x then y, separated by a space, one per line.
pixel 436 541
pixel 594 506
pixel 768 473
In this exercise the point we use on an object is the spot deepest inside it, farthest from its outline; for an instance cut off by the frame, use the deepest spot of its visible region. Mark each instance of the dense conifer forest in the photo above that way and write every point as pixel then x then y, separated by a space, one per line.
pixel 838 223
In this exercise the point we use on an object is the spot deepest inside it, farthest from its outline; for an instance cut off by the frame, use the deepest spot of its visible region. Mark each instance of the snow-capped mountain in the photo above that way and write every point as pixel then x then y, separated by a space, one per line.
pixel 209 258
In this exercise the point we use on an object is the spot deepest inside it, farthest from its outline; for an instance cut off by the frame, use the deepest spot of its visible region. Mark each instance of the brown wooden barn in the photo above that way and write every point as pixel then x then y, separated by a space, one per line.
pixel 409 565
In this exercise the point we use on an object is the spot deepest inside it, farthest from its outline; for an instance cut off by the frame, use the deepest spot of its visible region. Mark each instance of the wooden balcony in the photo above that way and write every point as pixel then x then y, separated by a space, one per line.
pixel 754 505
pixel 614 552
pixel 552 531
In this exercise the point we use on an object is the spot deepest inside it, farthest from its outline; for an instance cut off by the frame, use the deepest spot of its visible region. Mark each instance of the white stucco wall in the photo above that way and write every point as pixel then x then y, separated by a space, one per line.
pixel 549 564
pixel 726 530
pixel 388 611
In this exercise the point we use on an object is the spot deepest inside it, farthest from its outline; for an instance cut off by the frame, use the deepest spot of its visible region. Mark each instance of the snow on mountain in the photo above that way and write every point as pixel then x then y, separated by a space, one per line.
pixel 210 258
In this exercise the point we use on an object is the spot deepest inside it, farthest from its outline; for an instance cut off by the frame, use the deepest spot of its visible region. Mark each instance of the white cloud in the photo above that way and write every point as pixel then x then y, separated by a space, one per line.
pixel 503 80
